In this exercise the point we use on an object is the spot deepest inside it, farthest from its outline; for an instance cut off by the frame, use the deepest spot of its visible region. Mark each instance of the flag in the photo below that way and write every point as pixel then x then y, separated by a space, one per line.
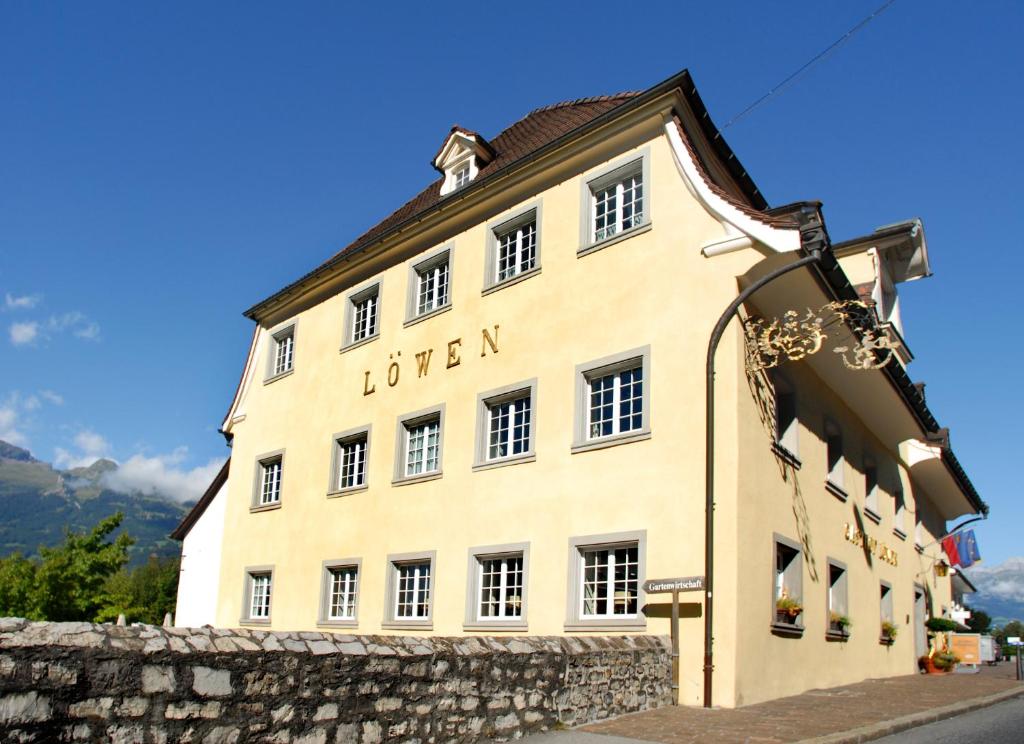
pixel 970 544
pixel 949 545
pixel 962 550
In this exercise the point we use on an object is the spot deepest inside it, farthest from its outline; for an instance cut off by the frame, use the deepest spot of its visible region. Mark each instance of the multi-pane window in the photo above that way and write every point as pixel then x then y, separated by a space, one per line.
pixel 871 486
pixel 422 447
pixel 837 601
pixel 788 588
pixel 432 286
pixel 259 596
pixel 900 507
pixel 834 450
pixel 462 176
pixel 615 402
pixel 352 462
pixel 284 351
pixel 618 206
pixel 342 592
pixel 364 316
pixel 270 481
pixel 786 423
pixel 500 579
pixel 508 428
pixel 610 581
pixel 412 590
pixel 516 251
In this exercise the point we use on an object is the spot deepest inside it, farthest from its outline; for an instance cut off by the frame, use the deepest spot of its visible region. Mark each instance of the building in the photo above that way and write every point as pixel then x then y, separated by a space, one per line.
pixel 486 415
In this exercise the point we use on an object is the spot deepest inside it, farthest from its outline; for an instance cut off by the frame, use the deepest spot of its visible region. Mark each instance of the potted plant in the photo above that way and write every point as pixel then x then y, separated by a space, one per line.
pixel 787 609
pixel 839 623
pixel 945 661
pixel 889 631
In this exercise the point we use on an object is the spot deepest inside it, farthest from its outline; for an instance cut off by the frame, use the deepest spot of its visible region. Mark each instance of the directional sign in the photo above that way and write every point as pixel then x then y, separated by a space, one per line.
pixel 1014 641
pixel 682 584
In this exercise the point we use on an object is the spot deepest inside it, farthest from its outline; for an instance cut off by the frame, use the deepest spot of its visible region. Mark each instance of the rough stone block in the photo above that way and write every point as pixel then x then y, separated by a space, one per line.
pixel 222 735
pixel 347 733
pixel 326 712
pixel 157 679
pixel 188 709
pixel 283 714
pixel 372 733
pixel 211 682
pixel 24 707
pixel 316 736
pixel 92 708
pixel 133 707
pixel 125 734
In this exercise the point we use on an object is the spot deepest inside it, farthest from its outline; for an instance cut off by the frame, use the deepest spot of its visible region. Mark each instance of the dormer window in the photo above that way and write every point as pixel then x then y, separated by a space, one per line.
pixel 461 157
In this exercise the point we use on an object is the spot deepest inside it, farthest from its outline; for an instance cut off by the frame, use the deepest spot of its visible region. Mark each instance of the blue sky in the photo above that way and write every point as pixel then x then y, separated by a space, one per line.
pixel 166 166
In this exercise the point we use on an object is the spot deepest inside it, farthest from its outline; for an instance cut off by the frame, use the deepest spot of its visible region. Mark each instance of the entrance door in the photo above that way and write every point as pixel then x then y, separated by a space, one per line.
pixel 920 639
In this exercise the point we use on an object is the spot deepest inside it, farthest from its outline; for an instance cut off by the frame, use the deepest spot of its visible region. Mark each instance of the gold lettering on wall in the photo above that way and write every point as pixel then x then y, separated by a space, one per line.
pixel 453 353
pixel 423 362
pixel 367 387
pixel 393 372
pixel 880 550
pixel 488 341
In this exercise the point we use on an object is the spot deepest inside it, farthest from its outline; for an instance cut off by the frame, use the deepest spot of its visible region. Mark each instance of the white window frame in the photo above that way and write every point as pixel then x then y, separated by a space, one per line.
pixel 248 584
pixel 531 213
pixel 328 570
pixel 443 256
pixel 395 563
pixel 353 300
pixel 486 403
pixel 406 424
pixel 599 368
pixel 339 442
pixel 473 619
pixel 614 174
pixel 578 546
pixel 275 337
pixel 262 463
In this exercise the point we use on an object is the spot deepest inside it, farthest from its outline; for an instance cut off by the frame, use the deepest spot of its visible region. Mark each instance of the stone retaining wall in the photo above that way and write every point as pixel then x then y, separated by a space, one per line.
pixel 86 682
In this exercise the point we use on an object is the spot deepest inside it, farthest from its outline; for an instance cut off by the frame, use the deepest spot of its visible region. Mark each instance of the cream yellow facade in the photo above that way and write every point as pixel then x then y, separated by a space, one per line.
pixel 652 293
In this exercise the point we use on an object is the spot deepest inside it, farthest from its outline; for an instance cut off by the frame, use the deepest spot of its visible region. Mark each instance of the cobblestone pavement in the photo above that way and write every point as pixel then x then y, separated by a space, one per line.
pixel 814 713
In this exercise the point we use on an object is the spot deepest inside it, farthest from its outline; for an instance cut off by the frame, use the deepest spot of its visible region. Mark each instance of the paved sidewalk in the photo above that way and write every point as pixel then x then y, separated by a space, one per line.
pixel 860 712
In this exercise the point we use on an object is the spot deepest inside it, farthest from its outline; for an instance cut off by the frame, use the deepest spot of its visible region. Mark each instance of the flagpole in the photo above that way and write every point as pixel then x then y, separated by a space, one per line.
pixel 954 531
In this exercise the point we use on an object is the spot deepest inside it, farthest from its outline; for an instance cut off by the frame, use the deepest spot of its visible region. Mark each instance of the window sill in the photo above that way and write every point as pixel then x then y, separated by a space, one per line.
pixel 491 288
pixel 408 624
pixel 278 376
pixel 886 641
pixel 599 625
pixel 872 515
pixel 347 491
pixel 254 621
pixel 611 441
pixel 264 507
pixel 836 491
pixel 618 238
pixel 417 478
pixel 360 342
pixel 899 533
pixel 496 627
pixel 787 456
pixel 514 460
pixel 427 315
pixel 787 630
pixel 337 624
pixel 837 636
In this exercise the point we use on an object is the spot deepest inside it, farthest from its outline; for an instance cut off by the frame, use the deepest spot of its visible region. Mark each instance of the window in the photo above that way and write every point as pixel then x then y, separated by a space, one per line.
pixel 885 605
pixel 496 596
pixel 505 426
pixel 513 248
pixel 616 202
pixel 256 596
pixel 419 446
pixel 871 489
pixel 786 423
pixel 339 598
pixel 900 506
pixel 268 480
pixel 350 454
pixel 606 572
pixel 838 621
pixel 362 322
pixel 835 460
pixel 410 590
pixel 462 176
pixel 281 357
pixel 788 586
pixel 429 286
pixel 613 400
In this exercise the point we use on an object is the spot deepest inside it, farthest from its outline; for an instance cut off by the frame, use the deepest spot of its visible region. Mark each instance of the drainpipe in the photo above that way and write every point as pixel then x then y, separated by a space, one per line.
pixel 814 240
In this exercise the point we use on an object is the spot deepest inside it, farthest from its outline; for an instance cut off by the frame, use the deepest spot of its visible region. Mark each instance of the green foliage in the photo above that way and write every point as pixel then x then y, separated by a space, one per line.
pixel 17 579
pixel 144 594
pixel 979 621
pixel 941 625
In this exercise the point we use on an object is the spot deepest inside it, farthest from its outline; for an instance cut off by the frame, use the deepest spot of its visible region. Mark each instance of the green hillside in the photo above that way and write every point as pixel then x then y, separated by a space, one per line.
pixel 37 503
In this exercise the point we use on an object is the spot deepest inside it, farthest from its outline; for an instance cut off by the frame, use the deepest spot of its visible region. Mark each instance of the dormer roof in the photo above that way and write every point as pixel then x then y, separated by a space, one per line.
pixel 461 143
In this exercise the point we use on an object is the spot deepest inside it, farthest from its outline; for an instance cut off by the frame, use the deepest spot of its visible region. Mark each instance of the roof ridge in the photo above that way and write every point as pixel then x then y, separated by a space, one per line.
pixel 592 99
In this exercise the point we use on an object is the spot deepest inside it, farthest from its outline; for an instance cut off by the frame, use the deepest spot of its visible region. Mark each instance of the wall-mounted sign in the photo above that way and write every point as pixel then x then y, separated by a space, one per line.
pixel 878 549
pixel 682 584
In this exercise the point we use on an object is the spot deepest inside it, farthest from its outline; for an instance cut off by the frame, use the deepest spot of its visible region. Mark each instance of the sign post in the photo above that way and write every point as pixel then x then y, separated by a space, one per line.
pixel 1017 644
pixel 662 586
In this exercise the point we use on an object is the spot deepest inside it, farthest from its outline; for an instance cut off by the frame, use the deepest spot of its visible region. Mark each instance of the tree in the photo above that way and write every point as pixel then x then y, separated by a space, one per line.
pixel 17 580
pixel 979 621
pixel 144 594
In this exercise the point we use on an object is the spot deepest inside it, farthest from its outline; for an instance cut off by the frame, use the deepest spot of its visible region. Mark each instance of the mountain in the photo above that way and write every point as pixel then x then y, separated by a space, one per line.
pixel 1000 590
pixel 37 503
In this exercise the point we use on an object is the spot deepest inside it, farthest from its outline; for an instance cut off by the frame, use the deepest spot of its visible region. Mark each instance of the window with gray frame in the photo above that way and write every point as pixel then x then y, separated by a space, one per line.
pixel 505 428
pixel 339 600
pixel 616 202
pixel 786 422
pixel 284 351
pixel 363 315
pixel 432 279
pixel 885 602
pixel 410 589
pixel 900 511
pixel 788 581
pixel 501 580
pixel 614 398
pixel 418 450
pixel 605 577
pixel 349 460
pixel 871 488
pixel 256 599
pixel 837 597
pixel 836 460
pixel 270 471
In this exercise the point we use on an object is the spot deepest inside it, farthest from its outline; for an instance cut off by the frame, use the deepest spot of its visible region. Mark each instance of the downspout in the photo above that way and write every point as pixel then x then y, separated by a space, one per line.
pixel 813 240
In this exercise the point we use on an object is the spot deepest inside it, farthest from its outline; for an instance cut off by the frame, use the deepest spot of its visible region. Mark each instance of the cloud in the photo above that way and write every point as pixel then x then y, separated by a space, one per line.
pixel 25 302
pixel 92 443
pixel 24 333
pixel 52 397
pixel 91 447
pixel 163 475
pixel 66 460
pixel 90 331
pixel 13 410
pixel 1004 582
pixel 9 425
